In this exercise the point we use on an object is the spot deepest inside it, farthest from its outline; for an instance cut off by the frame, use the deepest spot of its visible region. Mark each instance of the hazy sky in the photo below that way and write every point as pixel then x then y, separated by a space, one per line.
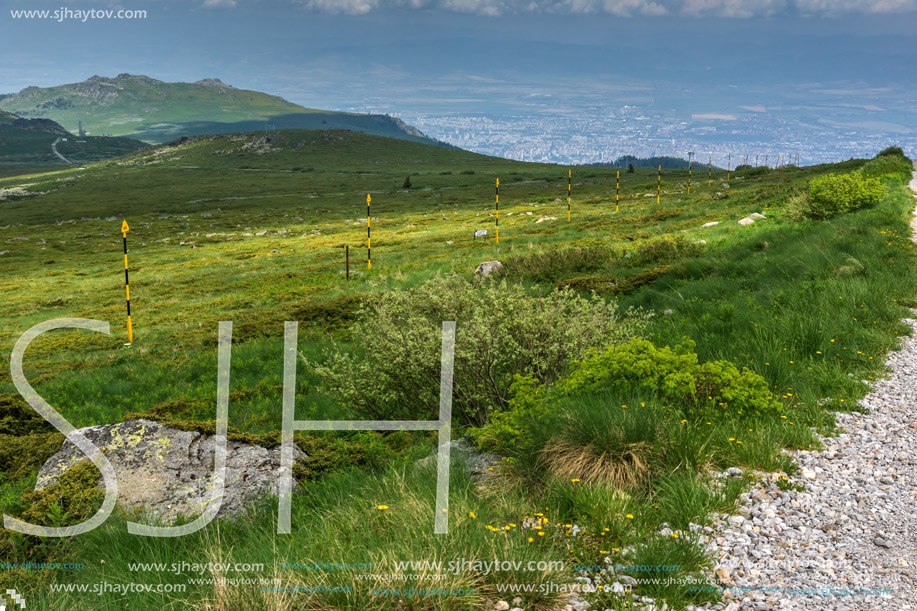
pixel 367 53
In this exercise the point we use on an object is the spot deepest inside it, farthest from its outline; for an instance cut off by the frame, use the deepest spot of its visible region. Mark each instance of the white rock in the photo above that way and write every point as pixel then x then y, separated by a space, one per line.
pixel 486 268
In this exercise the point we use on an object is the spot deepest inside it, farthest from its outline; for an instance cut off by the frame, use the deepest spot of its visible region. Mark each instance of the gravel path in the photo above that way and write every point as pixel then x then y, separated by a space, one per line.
pixel 849 541
pixel 54 150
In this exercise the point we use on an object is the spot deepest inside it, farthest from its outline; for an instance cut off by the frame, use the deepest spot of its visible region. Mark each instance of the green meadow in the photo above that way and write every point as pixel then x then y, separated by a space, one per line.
pixel 691 349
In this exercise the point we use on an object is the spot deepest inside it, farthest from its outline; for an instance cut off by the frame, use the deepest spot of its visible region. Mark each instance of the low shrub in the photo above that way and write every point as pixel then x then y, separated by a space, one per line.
pixel 556 264
pixel 671 376
pixel 663 251
pixel 505 429
pixel 888 166
pixel 750 171
pixel 676 376
pixel 891 151
pixel 833 194
pixel 501 331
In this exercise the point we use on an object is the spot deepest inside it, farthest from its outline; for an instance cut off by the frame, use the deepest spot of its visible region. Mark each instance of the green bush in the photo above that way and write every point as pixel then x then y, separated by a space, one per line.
pixel 833 194
pixel 663 251
pixel 674 375
pixel 750 171
pixel 506 428
pixel 501 331
pixel 891 151
pixel 888 166
pixel 556 264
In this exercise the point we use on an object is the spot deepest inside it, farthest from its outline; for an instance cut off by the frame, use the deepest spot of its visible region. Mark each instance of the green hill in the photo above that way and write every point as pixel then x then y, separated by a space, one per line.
pixel 786 317
pixel 155 111
pixel 25 145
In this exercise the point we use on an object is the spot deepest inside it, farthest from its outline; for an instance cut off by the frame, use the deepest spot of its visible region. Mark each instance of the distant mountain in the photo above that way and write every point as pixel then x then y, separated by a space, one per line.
pixel 155 111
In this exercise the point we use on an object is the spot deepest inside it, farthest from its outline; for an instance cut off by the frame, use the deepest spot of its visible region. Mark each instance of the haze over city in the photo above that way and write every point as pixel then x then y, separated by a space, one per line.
pixel 570 82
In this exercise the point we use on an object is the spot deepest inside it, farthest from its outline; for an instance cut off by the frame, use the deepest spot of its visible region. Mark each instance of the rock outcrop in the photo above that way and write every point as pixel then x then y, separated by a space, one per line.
pixel 166 473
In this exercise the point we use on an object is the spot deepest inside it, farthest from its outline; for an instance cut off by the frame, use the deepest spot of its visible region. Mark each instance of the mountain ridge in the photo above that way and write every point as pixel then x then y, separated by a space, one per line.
pixel 156 111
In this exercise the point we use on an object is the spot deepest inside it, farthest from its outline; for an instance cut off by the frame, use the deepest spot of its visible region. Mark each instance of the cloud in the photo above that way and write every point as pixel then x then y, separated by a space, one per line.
pixel 219 3
pixel 847 7
pixel 738 9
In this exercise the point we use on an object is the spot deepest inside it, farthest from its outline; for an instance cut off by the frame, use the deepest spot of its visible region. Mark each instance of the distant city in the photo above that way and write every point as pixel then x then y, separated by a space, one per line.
pixel 604 136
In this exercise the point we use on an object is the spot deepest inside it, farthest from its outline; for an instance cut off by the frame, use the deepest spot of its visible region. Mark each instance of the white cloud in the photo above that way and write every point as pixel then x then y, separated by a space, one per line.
pixel 847 7
pixel 219 3
pixel 622 8
pixel 733 8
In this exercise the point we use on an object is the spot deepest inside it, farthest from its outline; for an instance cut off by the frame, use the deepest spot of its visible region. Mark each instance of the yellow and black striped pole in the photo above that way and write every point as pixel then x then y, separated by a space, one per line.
pixel 369 243
pixel 497 202
pixel 127 284
pixel 617 189
pixel 569 180
pixel 745 163
pixel 689 174
pixel 658 184
pixel 709 167
pixel 728 167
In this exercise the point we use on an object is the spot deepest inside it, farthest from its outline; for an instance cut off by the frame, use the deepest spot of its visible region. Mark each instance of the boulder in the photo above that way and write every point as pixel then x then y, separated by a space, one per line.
pixel 167 473
pixel 487 268
pixel 710 224
pixel 751 218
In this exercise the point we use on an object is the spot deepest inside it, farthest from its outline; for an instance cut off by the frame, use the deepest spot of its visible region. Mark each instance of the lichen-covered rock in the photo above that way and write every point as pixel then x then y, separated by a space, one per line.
pixel 487 268
pixel 168 473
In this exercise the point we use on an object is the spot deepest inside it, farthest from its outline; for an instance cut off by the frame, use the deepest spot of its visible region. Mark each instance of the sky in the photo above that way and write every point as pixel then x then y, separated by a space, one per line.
pixel 298 47
pixel 438 57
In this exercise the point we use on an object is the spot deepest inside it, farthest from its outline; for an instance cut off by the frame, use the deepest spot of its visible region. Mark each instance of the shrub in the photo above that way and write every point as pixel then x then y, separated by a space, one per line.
pixel 556 264
pixel 526 405
pixel 637 364
pixel 891 150
pixel 674 375
pixel 750 171
pixel 501 331
pixel 832 194
pixel 888 166
pixel 663 251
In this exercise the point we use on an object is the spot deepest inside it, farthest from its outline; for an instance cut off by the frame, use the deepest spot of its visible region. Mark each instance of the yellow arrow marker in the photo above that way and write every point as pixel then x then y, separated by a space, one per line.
pixel 127 284
pixel 569 179
pixel 497 203
pixel 369 247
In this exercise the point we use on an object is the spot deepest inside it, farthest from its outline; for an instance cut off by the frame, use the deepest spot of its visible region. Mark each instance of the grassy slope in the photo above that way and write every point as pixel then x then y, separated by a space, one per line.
pixel 751 293
pixel 155 111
